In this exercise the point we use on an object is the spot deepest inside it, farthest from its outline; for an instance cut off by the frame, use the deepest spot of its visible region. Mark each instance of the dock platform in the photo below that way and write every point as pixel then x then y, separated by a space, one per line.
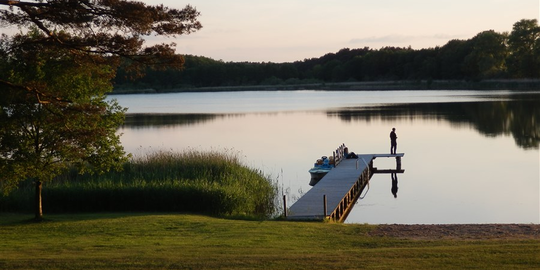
pixel 335 194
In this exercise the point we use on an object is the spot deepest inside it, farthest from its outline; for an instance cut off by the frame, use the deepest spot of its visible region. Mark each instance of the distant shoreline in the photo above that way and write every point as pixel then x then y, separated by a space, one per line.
pixel 520 85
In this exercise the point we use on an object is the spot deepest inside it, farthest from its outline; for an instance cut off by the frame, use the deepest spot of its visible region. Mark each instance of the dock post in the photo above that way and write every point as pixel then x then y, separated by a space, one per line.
pixel 285 205
pixel 325 206
pixel 398 163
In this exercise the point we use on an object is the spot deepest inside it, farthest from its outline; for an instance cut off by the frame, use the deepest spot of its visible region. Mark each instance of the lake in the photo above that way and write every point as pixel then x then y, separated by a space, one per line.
pixel 470 156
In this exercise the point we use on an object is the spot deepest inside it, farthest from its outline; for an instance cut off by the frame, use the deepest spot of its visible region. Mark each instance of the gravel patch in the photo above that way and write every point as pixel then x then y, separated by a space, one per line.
pixel 460 231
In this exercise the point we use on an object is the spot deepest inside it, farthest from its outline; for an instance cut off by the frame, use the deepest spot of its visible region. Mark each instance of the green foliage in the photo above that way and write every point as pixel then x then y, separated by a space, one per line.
pixel 524 46
pixel 488 55
pixel 193 181
pixel 59 119
pixel 53 81
pixel 110 29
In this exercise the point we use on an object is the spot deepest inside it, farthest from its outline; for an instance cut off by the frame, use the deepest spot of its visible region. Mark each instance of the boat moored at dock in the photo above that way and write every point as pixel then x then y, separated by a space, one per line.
pixel 320 169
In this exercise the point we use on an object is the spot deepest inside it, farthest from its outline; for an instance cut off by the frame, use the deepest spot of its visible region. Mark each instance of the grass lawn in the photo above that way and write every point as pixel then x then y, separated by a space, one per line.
pixel 183 241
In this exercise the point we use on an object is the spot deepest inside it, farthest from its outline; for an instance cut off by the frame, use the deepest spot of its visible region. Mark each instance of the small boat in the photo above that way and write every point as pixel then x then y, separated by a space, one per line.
pixel 319 170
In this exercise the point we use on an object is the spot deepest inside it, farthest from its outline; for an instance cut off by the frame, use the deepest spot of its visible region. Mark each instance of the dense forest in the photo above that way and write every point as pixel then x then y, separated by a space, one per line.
pixel 487 56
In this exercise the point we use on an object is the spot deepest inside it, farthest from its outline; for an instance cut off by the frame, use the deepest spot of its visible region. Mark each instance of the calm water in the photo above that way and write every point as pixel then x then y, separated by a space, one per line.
pixel 470 157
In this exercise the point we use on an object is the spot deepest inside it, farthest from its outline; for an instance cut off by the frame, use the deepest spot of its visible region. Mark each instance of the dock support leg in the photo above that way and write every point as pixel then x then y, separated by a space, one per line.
pixel 285 205
pixel 398 163
pixel 325 206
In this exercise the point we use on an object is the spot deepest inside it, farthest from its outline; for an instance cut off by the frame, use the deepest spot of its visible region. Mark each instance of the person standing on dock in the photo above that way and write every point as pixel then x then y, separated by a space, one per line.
pixel 393 141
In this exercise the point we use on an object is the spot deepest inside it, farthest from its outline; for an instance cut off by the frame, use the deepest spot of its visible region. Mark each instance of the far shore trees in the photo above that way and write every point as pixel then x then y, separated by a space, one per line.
pixel 524 45
pixel 54 78
pixel 488 56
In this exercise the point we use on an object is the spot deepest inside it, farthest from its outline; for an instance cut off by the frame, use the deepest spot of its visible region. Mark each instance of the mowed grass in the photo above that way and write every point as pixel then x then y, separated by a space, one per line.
pixel 186 241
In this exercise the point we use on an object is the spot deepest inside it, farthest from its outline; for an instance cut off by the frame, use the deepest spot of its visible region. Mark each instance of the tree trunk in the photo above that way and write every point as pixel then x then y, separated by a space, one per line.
pixel 38 209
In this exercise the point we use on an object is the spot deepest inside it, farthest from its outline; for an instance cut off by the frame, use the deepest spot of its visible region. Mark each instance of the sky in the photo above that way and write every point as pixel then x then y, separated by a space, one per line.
pixel 294 30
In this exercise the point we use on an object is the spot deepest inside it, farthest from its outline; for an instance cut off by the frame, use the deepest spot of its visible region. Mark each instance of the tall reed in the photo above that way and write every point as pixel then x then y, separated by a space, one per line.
pixel 192 181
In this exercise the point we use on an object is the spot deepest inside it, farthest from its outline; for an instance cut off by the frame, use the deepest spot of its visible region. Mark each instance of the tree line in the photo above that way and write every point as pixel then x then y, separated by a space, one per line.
pixel 488 55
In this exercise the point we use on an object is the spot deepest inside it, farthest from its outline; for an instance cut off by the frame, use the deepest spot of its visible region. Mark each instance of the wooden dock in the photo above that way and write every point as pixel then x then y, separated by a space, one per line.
pixel 336 193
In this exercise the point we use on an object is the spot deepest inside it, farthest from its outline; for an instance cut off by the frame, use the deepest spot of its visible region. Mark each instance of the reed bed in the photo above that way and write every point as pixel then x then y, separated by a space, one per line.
pixel 191 181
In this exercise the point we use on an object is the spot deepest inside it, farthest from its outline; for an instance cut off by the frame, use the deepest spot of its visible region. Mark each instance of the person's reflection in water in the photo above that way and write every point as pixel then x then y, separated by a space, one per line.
pixel 394 184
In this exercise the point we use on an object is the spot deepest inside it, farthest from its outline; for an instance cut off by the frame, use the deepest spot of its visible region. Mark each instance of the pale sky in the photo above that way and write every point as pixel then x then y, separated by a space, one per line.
pixel 291 30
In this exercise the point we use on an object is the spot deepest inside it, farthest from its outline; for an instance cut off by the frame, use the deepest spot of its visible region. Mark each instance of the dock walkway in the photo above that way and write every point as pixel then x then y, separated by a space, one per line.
pixel 337 191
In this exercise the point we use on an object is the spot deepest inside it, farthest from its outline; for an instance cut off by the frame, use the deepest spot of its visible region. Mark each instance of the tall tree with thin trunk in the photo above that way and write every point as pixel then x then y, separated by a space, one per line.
pixel 54 78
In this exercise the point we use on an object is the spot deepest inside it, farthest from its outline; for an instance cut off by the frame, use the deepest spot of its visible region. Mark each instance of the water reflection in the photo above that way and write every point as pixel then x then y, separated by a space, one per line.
pixel 394 184
pixel 141 120
pixel 491 118
pixel 454 174
pixel 518 117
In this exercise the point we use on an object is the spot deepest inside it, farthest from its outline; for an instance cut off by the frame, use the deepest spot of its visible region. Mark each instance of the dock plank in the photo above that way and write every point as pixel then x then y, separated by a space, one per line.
pixel 335 185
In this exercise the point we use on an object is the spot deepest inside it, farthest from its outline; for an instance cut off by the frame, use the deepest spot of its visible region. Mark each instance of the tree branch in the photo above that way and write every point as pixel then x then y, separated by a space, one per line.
pixel 39 95
pixel 18 3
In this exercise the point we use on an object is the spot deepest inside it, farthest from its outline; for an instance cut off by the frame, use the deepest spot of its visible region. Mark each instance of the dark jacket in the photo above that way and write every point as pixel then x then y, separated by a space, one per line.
pixel 393 136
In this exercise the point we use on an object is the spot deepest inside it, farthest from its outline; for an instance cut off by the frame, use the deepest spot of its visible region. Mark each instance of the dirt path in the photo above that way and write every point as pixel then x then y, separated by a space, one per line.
pixel 460 231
